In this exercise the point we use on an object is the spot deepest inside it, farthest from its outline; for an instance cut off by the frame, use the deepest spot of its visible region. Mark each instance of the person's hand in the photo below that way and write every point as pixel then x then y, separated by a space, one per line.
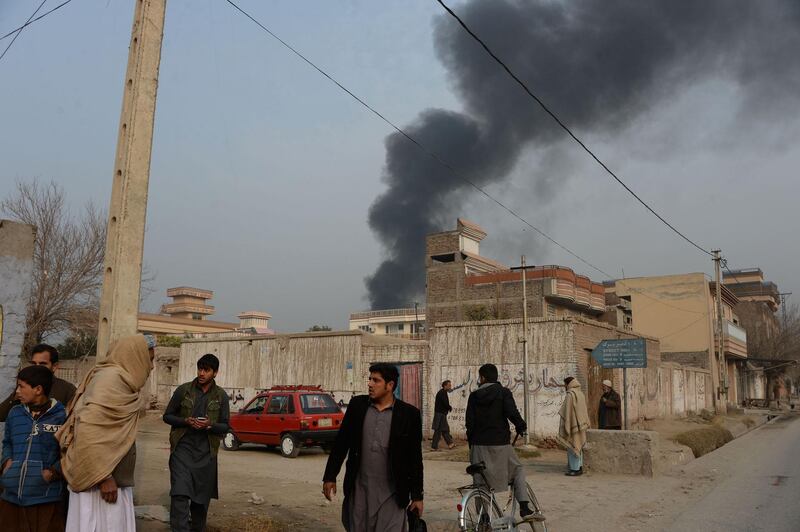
pixel 195 423
pixel 47 475
pixel 329 490
pixel 416 507
pixel 6 465
pixel 108 490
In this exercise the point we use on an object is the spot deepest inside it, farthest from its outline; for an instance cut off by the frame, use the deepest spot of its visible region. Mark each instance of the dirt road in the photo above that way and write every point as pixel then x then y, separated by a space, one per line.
pixel 291 489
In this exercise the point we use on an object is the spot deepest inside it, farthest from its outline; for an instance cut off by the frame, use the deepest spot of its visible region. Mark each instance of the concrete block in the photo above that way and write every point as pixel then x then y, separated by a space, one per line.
pixel 622 452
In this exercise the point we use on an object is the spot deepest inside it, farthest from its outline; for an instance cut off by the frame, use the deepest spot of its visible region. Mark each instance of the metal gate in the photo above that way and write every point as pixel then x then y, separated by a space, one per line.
pixel 409 388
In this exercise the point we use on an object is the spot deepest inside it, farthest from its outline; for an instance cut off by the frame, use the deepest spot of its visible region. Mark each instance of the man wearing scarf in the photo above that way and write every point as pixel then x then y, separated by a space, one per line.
pixel 98 438
pixel 573 425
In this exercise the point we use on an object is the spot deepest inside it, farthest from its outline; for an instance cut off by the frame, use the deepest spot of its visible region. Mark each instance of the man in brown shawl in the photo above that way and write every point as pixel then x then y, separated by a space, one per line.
pixel 98 439
pixel 573 425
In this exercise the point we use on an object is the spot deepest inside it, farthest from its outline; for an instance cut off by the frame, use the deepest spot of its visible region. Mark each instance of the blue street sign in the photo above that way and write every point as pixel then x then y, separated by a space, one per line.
pixel 628 353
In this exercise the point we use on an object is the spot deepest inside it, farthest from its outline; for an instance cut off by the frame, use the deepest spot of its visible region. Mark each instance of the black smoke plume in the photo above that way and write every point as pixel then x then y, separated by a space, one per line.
pixel 598 64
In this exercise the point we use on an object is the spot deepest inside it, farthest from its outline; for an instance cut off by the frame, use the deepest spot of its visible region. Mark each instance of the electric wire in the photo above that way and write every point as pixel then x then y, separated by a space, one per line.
pixel 567 129
pixel 419 145
pixel 19 31
pixel 439 159
pixel 12 32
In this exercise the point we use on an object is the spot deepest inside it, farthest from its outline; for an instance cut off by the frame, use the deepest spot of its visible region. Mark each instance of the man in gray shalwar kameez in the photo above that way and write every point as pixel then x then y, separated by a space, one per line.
pixel 489 409
pixel 198 413
pixel 381 436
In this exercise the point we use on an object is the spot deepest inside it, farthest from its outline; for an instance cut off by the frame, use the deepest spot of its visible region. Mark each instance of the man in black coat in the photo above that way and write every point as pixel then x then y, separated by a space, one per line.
pixel 608 412
pixel 381 436
pixel 441 428
pixel 489 410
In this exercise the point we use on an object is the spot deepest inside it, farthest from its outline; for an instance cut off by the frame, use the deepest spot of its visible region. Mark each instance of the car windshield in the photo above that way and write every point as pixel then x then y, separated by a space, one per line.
pixel 318 403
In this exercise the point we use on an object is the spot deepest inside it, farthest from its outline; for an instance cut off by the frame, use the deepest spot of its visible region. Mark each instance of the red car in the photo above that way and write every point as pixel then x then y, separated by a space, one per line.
pixel 288 417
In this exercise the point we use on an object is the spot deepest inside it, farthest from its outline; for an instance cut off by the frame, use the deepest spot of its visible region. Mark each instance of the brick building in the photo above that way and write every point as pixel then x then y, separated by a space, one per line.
pixel 462 285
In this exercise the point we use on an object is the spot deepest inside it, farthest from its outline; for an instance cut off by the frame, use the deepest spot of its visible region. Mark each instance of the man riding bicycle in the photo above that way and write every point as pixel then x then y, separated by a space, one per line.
pixel 489 409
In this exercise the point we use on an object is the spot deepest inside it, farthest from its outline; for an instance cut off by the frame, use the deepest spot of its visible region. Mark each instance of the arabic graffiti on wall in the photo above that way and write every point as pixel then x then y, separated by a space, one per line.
pixel 545 388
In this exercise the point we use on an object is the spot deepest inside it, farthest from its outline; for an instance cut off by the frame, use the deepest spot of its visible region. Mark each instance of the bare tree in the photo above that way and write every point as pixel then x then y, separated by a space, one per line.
pixel 68 259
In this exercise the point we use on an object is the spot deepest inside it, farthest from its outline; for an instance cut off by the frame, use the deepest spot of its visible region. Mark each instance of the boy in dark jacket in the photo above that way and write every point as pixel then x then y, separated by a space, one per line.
pixel 31 472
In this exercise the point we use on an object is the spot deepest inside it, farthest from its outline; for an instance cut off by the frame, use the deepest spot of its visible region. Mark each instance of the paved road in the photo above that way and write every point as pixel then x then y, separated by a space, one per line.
pixel 759 484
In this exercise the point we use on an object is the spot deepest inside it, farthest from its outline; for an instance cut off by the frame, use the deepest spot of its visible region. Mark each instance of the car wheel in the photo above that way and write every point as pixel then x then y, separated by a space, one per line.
pixel 230 442
pixel 327 447
pixel 290 448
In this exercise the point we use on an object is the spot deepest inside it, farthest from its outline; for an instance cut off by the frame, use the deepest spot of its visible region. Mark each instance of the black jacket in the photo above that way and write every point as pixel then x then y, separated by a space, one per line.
pixel 489 409
pixel 405 449
pixel 608 413
pixel 442 405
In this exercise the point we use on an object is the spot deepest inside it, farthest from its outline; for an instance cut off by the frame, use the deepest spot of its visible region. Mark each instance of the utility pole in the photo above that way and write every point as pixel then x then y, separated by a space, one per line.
pixel 784 296
pixel 416 317
pixel 122 274
pixel 525 387
pixel 722 391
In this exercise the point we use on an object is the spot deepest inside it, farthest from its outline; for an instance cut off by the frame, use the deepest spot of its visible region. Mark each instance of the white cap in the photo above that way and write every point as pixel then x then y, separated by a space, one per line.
pixel 607 383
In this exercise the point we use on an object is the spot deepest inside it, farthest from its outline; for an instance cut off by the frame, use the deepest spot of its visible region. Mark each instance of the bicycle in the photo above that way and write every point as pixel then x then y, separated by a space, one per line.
pixel 479 510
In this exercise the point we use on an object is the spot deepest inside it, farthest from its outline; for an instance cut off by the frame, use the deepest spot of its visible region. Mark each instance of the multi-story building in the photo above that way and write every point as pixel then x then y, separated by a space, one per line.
pixel 759 301
pixel 187 315
pixel 680 311
pixel 758 304
pixel 462 285
pixel 399 322
pixel 188 303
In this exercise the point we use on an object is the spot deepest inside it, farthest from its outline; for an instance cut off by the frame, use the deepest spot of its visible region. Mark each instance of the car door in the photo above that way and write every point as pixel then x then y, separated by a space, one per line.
pixel 247 425
pixel 278 418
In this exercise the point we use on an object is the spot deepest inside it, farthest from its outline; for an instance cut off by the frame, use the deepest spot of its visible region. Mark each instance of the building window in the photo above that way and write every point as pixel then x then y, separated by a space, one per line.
pixel 400 327
pixel 387 329
pixel 197 316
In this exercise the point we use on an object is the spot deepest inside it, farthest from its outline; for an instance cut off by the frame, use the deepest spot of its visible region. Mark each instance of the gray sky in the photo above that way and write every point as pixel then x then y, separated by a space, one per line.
pixel 263 172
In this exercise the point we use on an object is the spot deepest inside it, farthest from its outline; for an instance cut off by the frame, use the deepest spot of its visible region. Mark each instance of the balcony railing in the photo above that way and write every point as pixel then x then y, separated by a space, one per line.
pixel 389 313
pixel 734 331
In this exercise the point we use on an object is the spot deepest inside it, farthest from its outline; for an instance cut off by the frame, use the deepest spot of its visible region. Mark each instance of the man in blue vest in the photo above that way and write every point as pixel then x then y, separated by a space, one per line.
pixel 198 413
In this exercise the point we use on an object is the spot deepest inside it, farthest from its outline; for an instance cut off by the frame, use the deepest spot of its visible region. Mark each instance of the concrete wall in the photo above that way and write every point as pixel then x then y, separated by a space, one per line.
pixel 16 271
pixel 557 348
pixel 663 306
pixel 338 361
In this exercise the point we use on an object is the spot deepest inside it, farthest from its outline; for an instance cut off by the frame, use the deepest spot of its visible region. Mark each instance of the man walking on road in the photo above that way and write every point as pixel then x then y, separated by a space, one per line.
pixel 381 436
pixel 440 410
pixel 573 426
pixel 489 409
pixel 62 391
pixel 198 413
pixel 608 412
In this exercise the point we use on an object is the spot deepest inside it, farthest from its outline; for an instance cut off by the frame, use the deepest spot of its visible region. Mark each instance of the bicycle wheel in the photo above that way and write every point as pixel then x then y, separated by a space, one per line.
pixel 536 526
pixel 478 512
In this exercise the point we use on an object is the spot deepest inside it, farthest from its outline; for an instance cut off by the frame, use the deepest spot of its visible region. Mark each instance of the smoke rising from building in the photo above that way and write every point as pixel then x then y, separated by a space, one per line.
pixel 599 64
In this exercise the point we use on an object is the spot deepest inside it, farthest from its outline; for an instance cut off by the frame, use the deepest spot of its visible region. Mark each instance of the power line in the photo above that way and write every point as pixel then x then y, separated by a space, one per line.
pixel 704 316
pixel 567 129
pixel 31 21
pixel 410 138
pixel 437 158
pixel 20 30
